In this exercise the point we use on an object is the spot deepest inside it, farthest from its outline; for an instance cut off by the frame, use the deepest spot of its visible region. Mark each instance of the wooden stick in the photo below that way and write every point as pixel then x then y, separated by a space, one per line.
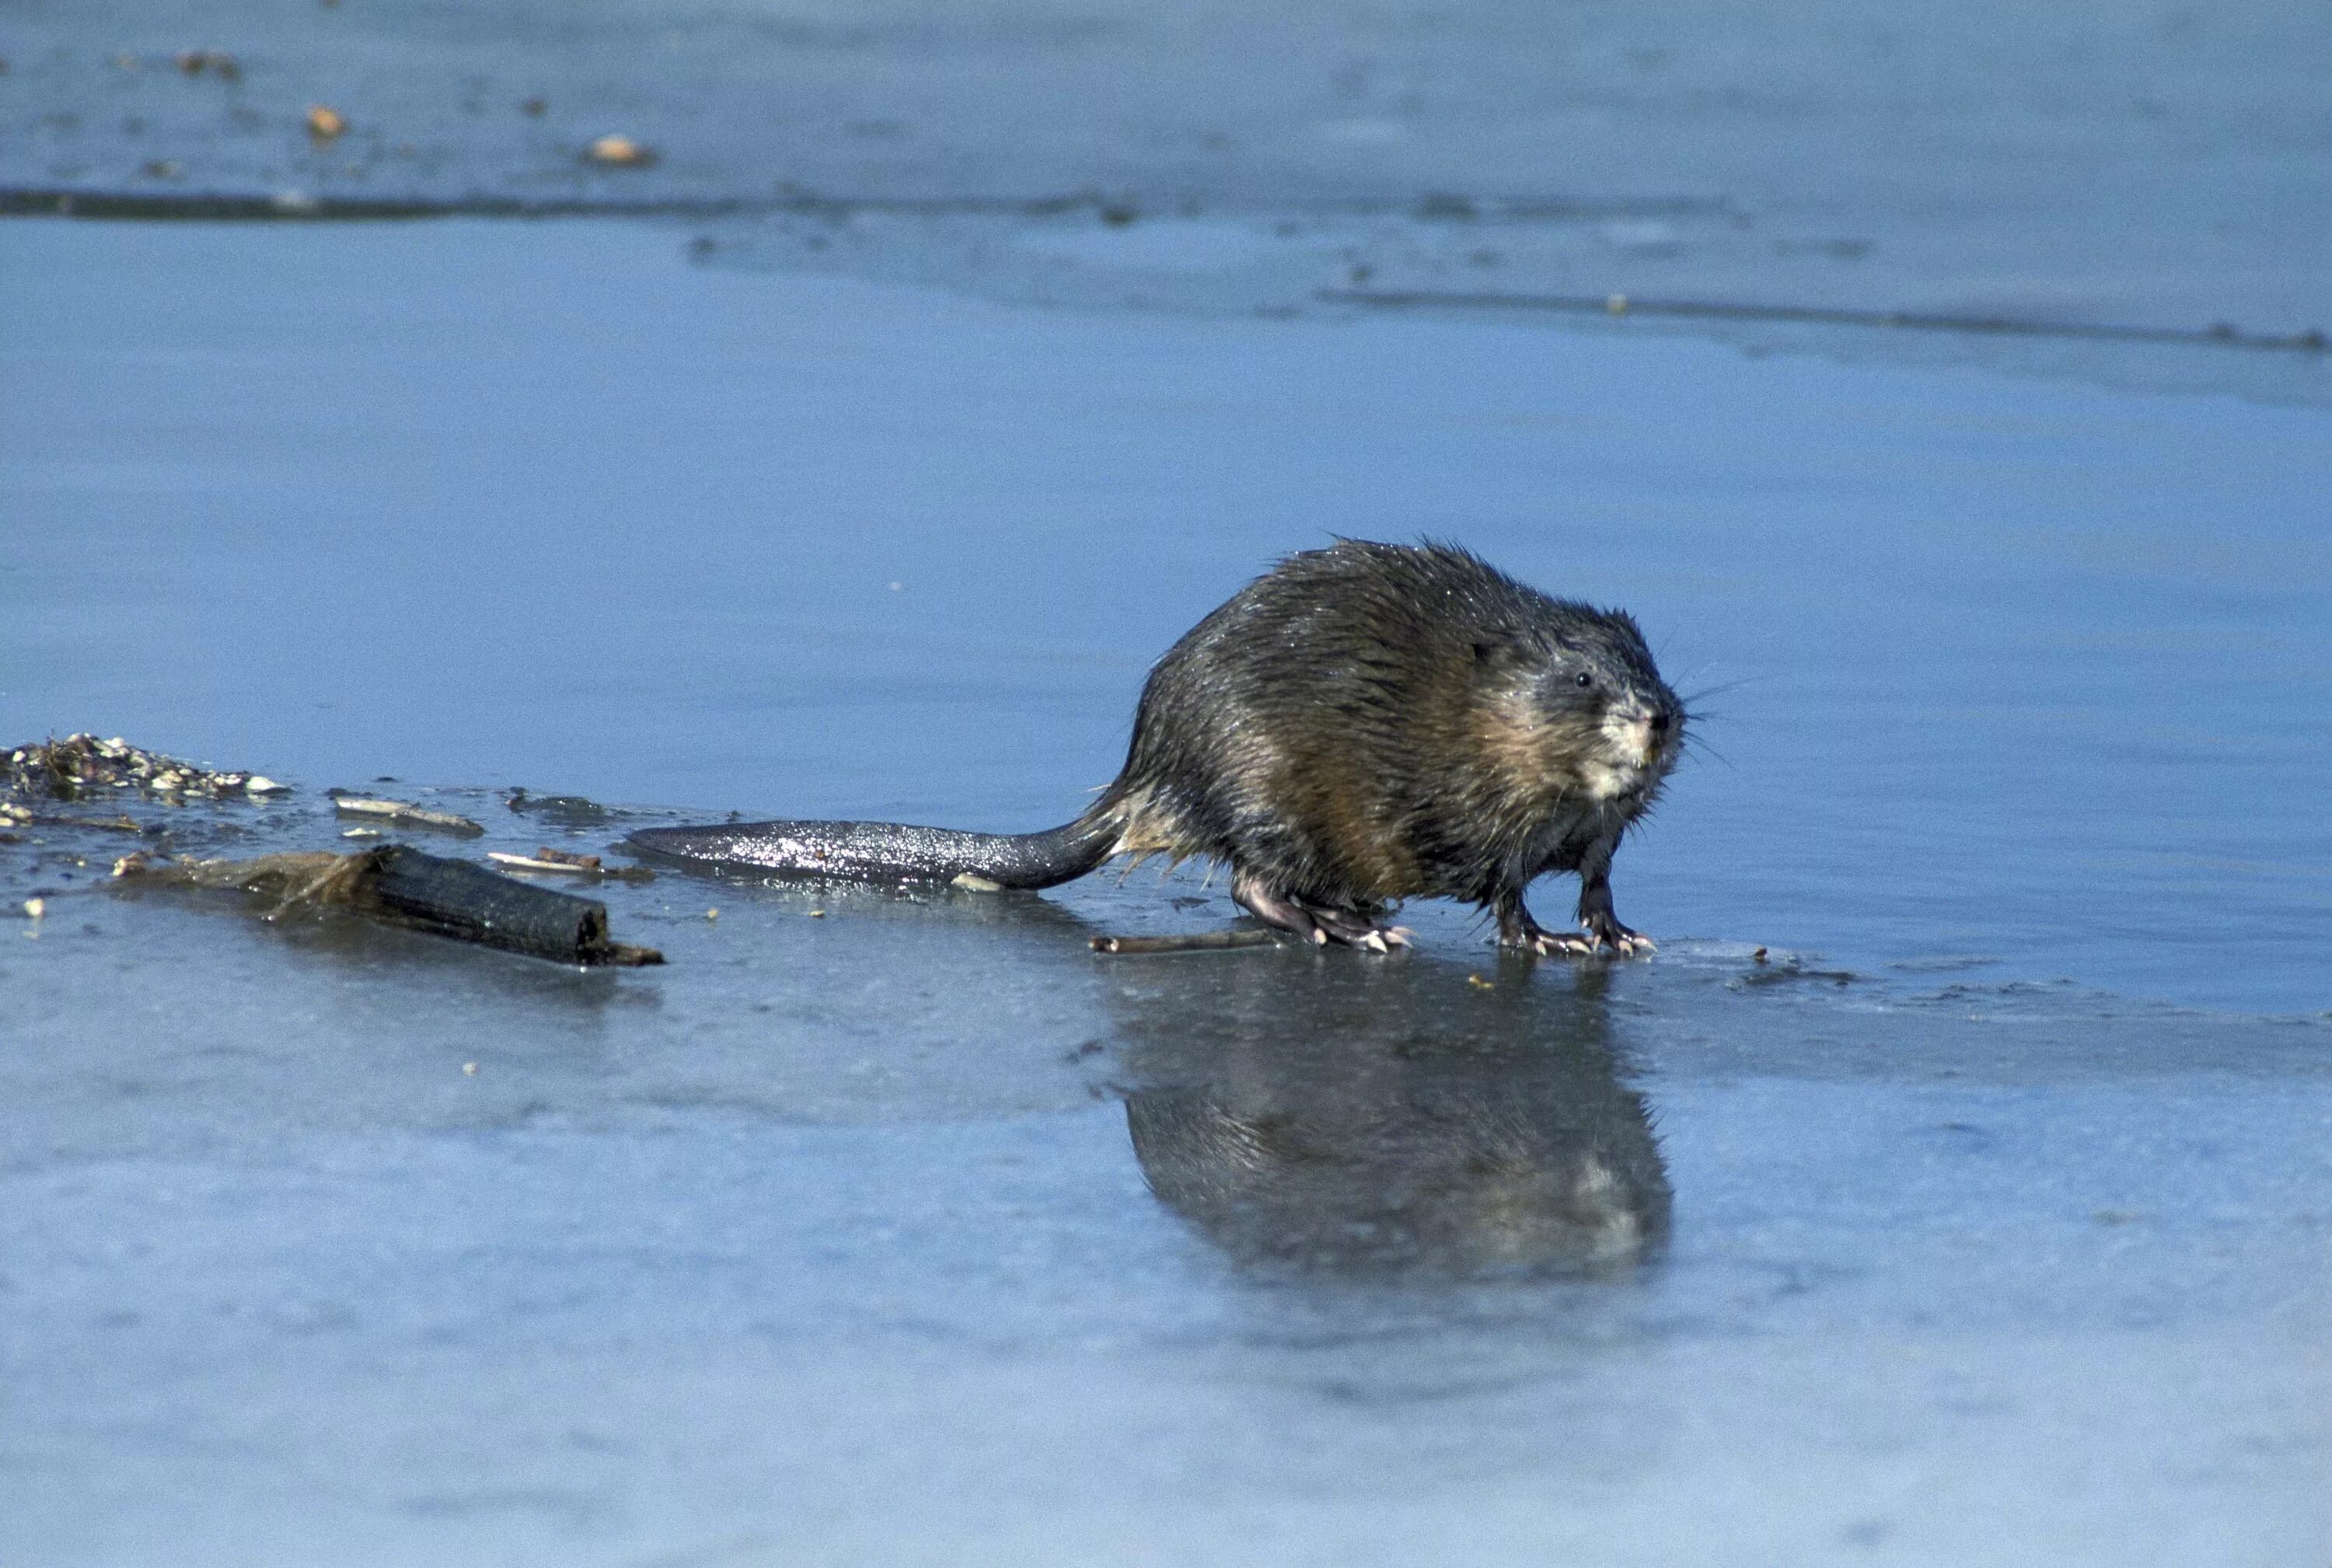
pixel 1197 941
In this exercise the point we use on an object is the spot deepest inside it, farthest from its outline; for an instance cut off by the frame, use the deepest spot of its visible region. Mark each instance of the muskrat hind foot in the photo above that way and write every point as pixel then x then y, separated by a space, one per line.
pixel 1317 924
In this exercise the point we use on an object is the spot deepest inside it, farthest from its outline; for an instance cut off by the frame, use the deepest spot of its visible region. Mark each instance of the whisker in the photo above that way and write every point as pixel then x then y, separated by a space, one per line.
pixel 1719 690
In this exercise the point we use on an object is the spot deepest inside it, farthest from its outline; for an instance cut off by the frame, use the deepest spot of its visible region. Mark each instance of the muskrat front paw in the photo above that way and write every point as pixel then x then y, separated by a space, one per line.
pixel 1605 931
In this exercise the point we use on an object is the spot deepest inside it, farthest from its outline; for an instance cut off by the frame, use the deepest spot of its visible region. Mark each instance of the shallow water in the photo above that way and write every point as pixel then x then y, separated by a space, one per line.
pixel 2024 678
pixel 874 1228
pixel 2081 165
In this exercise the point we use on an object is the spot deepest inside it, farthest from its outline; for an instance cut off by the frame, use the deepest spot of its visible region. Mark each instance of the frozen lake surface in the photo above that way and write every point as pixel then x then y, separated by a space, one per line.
pixel 1988 1218
pixel 917 1232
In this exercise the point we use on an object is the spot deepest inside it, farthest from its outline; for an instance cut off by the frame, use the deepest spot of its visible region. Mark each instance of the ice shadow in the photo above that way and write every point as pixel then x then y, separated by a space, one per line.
pixel 1336 1114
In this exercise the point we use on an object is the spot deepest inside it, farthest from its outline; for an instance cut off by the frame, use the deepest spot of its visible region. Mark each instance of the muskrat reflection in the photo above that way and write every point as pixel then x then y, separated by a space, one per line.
pixel 1365 1120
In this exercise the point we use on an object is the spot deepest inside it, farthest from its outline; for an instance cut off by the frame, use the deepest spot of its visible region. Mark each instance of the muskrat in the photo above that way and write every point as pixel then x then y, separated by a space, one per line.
pixel 1360 724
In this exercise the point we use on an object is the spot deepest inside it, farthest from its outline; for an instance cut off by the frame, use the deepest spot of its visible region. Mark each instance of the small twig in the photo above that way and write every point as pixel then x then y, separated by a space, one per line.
pixel 1198 942
pixel 565 865
pixel 528 863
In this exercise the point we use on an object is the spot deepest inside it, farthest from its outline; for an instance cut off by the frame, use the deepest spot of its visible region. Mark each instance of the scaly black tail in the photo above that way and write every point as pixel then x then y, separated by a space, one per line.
pixel 894 851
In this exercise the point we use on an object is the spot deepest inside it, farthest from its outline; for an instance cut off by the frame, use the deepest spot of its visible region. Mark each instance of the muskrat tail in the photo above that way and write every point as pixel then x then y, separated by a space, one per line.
pixel 895 851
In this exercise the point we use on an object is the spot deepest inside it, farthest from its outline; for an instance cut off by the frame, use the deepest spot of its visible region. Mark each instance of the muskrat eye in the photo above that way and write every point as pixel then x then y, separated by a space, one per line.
pixel 1584 680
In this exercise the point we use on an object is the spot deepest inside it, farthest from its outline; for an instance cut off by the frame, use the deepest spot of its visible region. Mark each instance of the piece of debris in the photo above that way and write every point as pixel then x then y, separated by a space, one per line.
pixel 1199 941
pixel 528 863
pixel 559 861
pixel 566 810
pixel 619 152
pixel 219 63
pixel 403 813
pixel 398 885
pixel 80 767
pixel 36 907
pixel 1479 983
pixel 325 123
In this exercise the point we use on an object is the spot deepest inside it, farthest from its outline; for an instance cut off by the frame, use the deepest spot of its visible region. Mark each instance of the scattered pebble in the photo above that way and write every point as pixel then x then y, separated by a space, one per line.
pixel 619 152
pixel 325 123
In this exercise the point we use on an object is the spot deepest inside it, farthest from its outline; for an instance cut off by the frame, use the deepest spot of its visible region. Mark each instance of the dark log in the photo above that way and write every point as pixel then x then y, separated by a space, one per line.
pixel 466 902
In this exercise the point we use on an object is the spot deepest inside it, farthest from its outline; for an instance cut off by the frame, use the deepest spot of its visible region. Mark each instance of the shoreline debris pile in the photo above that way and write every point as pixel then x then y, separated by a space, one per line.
pixel 83 767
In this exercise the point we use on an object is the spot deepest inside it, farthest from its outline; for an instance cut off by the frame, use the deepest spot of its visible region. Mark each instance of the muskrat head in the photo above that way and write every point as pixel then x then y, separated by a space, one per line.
pixel 1578 703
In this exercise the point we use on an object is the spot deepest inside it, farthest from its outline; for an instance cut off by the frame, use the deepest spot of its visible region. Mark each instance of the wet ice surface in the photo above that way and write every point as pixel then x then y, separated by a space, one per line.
pixel 913 1230
pixel 2159 166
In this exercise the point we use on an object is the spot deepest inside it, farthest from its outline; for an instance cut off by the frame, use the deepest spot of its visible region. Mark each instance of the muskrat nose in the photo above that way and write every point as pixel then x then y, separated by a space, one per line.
pixel 1661 722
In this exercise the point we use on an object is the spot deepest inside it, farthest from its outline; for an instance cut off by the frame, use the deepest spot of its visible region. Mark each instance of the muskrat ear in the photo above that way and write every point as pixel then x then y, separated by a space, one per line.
pixel 1501 655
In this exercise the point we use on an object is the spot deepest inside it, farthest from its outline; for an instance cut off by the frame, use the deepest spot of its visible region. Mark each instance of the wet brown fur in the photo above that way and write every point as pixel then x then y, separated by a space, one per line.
pixel 1371 722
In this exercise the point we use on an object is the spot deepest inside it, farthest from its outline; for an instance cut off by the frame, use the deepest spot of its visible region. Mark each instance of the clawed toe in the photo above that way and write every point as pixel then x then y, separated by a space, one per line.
pixel 1617 940
pixel 1357 931
pixel 1626 943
